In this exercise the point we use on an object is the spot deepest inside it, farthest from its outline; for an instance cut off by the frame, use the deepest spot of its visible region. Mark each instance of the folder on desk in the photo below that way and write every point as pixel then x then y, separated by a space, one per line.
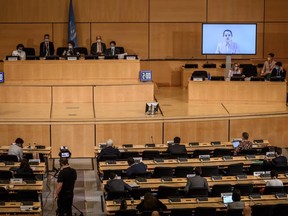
pixel 255 196
pixel 281 195
pixel 204 157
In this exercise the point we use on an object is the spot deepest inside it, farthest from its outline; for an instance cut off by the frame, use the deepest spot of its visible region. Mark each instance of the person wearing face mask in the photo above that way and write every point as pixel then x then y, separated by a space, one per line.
pixel 70 50
pixel 46 47
pixel 234 70
pixel 19 52
pixel 113 50
pixel 98 48
pixel 268 66
pixel 227 46
pixel 278 71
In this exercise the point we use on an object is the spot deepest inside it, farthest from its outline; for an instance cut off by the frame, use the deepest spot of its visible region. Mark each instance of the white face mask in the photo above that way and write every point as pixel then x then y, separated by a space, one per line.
pixel 70 46
pixel 46 40
pixel 99 40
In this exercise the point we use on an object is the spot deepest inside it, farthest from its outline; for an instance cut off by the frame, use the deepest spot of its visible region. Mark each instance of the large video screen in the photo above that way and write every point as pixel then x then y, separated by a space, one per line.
pixel 229 39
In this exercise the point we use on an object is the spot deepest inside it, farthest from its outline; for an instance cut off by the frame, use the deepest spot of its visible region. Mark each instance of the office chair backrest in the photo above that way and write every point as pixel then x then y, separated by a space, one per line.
pixel 60 50
pixel 263 210
pixel 6 157
pixel 198 152
pixel 209 171
pixel 160 172
pixel 150 155
pixel 217 189
pixel 274 189
pixel 137 193
pixel 29 51
pixel 201 211
pixel 200 73
pixel 183 171
pixel 197 192
pixel 4 195
pixel 245 189
pixel 220 152
pixel 235 169
pixel 128 154
pixel 121 50
pixel 126 212
pixel 249 71
pixel 165 192
pixel 82 50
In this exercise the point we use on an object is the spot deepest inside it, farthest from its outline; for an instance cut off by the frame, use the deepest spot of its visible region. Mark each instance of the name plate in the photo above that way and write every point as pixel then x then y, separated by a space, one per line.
pixel 16 180
pixel 197 79
pixel 12 58
pixel 131 57
pixel 72 58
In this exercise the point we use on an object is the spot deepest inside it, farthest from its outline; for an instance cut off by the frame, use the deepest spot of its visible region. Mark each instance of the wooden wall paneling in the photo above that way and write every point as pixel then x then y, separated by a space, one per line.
pixel 275 39
pixel 135 133
pixel 79 138
pixel 199 131
pixel 25 94
pixel 132 36
pixel 111 11
pixel 174 11
pixel 60 35
pixel 276 11
pixel 175 40
pixel 34 11
pixel 272 128
pixel 235 11
pixel 73 94
pixel 39 134
pixel 124 93
pixel 30 35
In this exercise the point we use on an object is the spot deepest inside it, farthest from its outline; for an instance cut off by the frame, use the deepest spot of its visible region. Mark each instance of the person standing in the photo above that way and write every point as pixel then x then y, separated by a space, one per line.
pixel 65 188
pixel 98 48
pixel 46 47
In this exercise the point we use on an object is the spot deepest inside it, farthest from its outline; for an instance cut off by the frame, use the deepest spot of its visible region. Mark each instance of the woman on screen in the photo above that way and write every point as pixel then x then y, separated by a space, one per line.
pixel 227 46
pixel 234 70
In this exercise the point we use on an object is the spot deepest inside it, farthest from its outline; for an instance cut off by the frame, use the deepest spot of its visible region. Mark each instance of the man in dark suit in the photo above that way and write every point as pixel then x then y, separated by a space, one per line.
pixel 113 50
pixel 175 149
pixel 135 168
pixel 98 48
pixel 278 161
pixel 116 184
pixel 278 71
pixel 109 150
pixel 46 47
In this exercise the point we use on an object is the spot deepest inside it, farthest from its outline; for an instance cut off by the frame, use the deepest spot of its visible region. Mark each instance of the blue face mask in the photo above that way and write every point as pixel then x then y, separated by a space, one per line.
pixel 277 67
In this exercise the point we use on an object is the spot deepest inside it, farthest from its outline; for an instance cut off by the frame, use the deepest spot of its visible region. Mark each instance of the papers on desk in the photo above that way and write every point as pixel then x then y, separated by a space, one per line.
pixel 133 185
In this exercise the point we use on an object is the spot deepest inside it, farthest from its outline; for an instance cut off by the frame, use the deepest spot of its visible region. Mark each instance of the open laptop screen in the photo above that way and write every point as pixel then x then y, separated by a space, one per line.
pixel 235 143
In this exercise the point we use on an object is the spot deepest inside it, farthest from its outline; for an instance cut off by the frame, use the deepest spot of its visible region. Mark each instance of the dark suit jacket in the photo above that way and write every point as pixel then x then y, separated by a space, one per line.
pixel 115 185
pixel 279 161
pixel 43 49
pixel 275 73
pixel 136 168
pixel 110 150
pixel 176 149
pixel 94 48
pixel 109 51
pixel 158 206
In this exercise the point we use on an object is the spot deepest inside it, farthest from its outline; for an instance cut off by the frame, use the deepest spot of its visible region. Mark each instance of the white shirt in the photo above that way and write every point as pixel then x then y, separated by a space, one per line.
pixel 14 149
pixel 274 182
pixel 19 53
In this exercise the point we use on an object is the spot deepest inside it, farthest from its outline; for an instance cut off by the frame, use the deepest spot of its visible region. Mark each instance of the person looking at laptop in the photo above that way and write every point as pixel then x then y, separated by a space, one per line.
pixel 135 168
pixel 245 144
pixel 235 70
pixel 278 161
pixel 237 203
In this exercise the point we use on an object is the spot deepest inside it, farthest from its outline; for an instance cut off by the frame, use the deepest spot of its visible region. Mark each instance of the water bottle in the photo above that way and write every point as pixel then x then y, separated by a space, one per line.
pixel 208 75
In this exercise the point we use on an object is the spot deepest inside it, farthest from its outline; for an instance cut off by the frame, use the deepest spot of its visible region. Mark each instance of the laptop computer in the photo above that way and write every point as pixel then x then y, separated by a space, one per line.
pixel 227 198
pixel 235 143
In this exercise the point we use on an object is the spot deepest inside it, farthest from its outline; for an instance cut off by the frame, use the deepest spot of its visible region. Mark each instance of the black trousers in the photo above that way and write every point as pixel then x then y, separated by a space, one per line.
pixel 64 203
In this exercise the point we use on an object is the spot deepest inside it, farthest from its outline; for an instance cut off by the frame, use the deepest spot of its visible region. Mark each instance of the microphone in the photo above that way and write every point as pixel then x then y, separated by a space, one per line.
pixel 152 139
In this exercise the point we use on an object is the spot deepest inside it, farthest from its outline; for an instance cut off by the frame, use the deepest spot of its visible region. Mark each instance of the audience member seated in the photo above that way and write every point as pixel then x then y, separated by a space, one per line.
pixel 268 66
pixel 98 48
pixel 234 70
pixel 70 51
pixel 155 213
pixel 278 71
pixel 176 149
pixel 116 184
pixel 237 203
pixel 274 181
pixel 113 50
pixel 245 144
pixel 24 168
pixel 278 161
pixel 150 203
pixel 135 168
pixel 19 52
pixel 197 181
pixel 108 150
pixel 16 148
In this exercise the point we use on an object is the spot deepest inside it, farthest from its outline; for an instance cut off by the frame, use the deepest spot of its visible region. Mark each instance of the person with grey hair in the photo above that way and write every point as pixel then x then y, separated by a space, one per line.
pixel 109 150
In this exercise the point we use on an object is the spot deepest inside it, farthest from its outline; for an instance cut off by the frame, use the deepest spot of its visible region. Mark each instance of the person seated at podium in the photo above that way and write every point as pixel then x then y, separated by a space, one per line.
pixel 268 66
pixel 16 148
pixel 19 52
pixel 98 48
pixel 113 50
pixel 234 70
pixel 116 184
pixel 196 181
pixel 24 168
pixel 109 150
pixel 151 203
pixel 278 71
pixel 70 51
pixel 274 181
pixel 245 144
pixel 46 47
pixel 278 161
pixel 135 168
pixel 237 203
pixel 175 149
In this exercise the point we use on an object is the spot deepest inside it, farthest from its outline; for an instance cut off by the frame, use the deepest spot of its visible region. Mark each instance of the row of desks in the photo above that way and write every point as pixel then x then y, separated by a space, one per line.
pixel 37 169
pixel 154 183
pixel 30 149
pixel 14 208
pixel 12 187
pixel 192 203
pixel 194 162
pixel 189 147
